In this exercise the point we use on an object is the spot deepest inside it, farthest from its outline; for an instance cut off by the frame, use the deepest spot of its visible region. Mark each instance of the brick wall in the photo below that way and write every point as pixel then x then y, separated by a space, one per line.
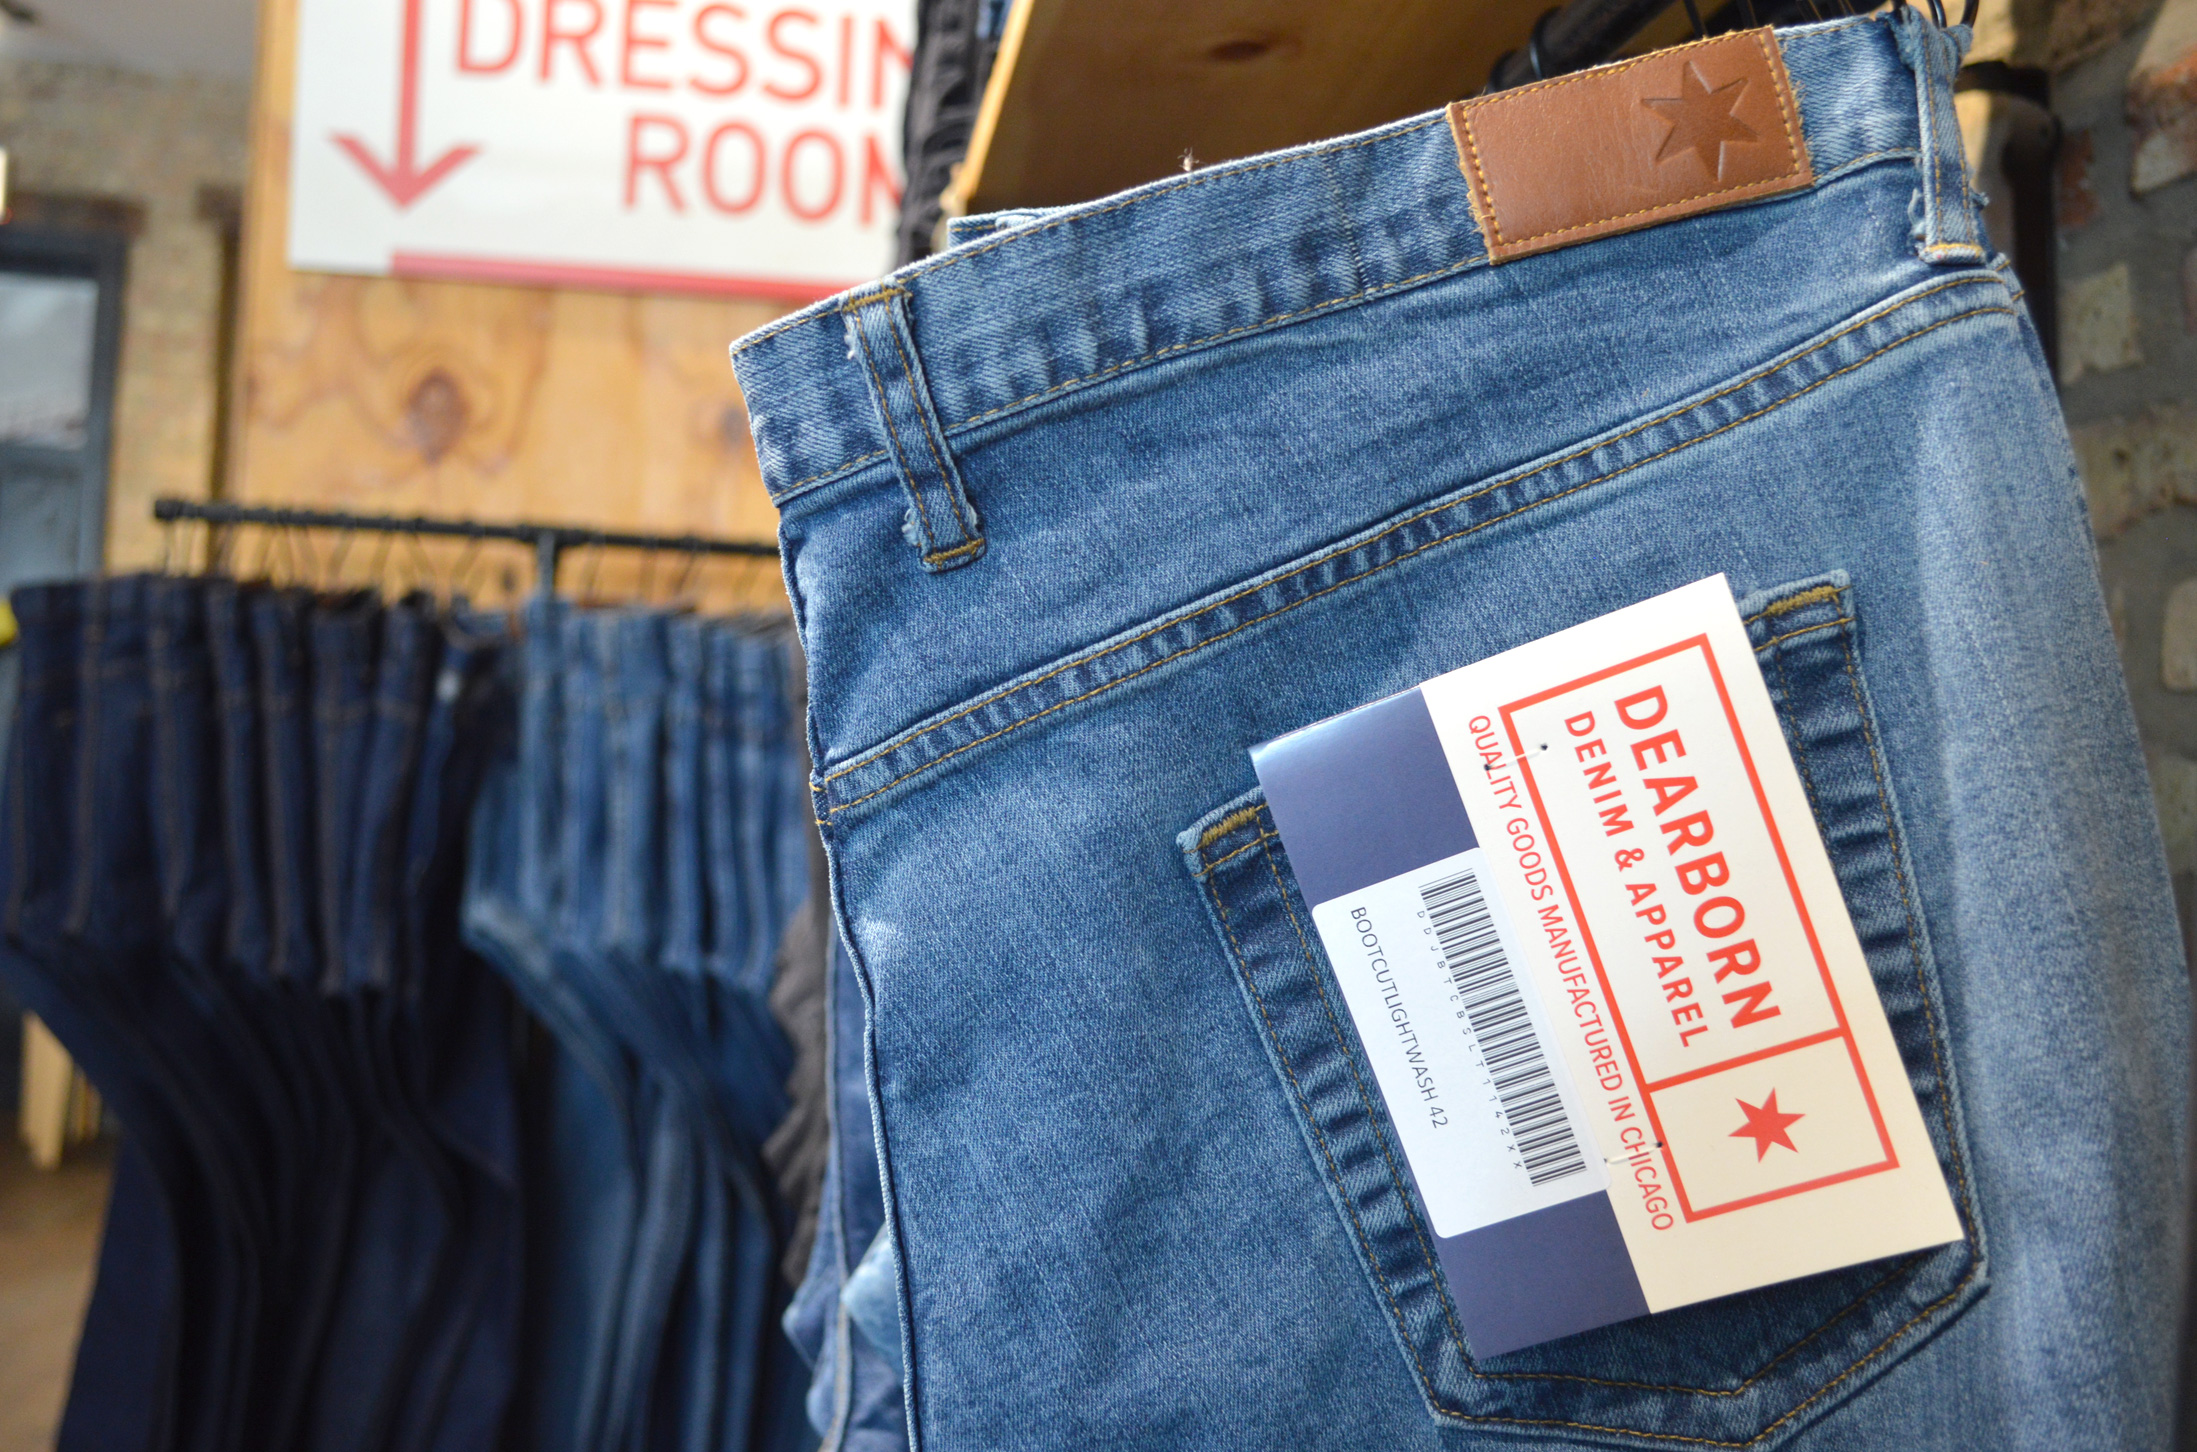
pixel 2128 366
pixel 153 141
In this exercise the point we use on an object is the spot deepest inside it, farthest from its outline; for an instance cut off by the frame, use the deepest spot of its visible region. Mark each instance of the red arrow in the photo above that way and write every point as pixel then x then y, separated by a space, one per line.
pixel 406 182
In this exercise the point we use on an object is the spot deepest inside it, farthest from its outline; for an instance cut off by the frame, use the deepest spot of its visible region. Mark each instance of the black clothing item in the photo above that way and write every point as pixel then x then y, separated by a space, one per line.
pixel 955 44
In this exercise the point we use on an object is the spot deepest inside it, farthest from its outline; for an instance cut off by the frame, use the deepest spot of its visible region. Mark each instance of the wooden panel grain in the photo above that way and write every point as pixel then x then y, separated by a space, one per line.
pixel 1091 97
pixel 480 401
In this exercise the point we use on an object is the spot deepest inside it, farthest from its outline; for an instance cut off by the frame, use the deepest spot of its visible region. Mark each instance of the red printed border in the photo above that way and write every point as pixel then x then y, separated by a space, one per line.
pixel 1594 955
pixel 453 267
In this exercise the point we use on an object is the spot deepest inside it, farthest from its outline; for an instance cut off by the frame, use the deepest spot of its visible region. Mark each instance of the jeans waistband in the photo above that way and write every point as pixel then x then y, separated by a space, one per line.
pixel 1079 296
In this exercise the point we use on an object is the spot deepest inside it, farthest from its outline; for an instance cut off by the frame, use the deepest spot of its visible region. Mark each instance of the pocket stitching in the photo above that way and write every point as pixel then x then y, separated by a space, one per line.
pixel 1914 946
pixel 1426 1252
pixel 1267 835
pixel 1418 1364
pixel 1899 873
pixel 1296 1089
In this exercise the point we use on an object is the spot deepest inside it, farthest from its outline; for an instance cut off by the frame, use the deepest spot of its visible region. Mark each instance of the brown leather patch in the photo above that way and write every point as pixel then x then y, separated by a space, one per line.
pixel 1631 145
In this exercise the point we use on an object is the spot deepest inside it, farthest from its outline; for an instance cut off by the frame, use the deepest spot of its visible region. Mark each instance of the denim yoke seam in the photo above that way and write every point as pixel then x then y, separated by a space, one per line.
pixel 1327 556
pixel 1768 370
pixel 1365 292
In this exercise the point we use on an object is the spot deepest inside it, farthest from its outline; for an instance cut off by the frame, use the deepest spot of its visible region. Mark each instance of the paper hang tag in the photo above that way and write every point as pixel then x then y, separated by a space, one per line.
pixel 1597 956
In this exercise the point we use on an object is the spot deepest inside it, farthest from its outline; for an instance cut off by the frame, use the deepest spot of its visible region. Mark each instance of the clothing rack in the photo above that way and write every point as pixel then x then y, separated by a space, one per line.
pixel 550 541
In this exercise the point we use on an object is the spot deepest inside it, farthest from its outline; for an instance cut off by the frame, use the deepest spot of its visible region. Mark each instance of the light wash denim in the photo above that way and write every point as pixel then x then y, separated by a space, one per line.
pixel 1078 512
pixel 855 1399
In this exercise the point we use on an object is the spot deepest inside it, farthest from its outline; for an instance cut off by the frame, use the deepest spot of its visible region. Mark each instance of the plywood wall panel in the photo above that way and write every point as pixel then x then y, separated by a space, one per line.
pixel 491 402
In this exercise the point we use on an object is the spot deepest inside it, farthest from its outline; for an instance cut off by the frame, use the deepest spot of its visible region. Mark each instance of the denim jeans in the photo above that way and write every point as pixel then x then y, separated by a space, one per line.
pixel 1078 512
pixel 144 1375
pixel 516 909
pixel 627 897
pixel 855 1399
pixel 302 1145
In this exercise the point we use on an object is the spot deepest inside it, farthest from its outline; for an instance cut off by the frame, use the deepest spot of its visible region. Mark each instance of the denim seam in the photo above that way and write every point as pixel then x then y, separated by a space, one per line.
pixel 851 466
pixel 1365 1243
pixel 1788 605
pixel 1495 229
pixel 1804 630
pixel 1471 493
pixel 1225 826
pixel 1914 945
pixel 1296 1087
pixel 1373 1118
pixel 1365 293
pixel 1368 573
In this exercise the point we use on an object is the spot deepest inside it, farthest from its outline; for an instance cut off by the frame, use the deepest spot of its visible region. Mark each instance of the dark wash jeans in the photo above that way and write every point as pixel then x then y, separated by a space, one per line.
pixel 244 1298
pixel 625 878
pixel 1076 513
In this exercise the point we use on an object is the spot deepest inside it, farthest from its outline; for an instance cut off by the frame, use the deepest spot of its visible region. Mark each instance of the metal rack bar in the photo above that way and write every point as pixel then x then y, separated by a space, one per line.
pixel 550 541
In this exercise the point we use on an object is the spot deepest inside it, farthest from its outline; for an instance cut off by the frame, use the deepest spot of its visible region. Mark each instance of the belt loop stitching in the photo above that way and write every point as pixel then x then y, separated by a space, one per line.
pixel 1946 231
pixel 955 539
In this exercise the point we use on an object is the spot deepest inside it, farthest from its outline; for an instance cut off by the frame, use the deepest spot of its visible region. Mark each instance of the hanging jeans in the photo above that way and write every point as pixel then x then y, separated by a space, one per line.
pixel 855 1400
pixel 1076 514
pixel 627 879
pixel 228 880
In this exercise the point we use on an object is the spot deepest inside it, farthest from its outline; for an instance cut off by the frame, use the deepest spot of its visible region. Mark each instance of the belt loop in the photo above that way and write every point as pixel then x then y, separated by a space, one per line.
pixel 1947 230
pixel 942 524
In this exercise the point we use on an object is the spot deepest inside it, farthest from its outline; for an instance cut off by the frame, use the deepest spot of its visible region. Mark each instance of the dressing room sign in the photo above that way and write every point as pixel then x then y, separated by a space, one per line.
pixel 675 145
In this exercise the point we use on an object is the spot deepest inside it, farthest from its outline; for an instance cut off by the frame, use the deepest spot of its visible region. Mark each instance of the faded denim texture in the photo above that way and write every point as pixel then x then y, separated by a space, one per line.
pixel 1077 512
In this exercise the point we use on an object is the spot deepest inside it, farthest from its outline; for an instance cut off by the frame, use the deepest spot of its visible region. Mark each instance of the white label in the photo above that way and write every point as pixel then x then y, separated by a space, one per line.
pixel 653 144
pixel 1459 1044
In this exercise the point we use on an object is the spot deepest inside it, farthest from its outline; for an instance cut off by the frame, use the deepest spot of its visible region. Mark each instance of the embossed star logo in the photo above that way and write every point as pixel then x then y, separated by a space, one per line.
pixel 1701 119
pixel 1765 1126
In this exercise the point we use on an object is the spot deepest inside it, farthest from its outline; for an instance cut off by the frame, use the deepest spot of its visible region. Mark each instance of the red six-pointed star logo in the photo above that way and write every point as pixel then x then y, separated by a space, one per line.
pixel 1765 1126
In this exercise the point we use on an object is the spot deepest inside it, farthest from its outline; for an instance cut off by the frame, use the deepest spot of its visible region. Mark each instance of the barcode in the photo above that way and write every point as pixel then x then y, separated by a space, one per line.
pixel 1495 1007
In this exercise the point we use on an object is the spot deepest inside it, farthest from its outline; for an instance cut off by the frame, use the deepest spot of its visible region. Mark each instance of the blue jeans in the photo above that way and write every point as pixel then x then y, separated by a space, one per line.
pixel 1075 514
pixel 624 897
pixel 855 1400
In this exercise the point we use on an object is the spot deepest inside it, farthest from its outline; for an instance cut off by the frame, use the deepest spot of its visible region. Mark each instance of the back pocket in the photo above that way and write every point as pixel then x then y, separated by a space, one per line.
pixel 1744 1371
